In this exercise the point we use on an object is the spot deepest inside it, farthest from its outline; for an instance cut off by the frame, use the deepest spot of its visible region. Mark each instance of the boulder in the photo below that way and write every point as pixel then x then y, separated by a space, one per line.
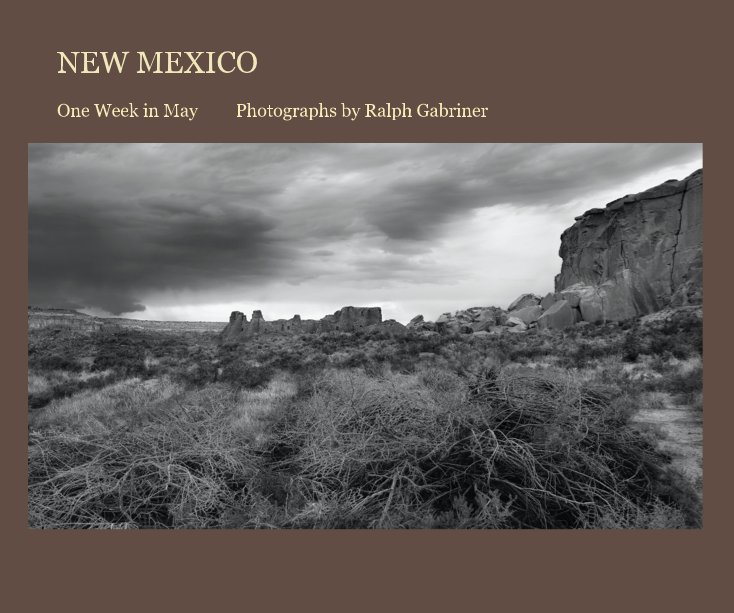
pixel 482 326
pixel 559 316
pixel 514 322
pixel 493 314
pixel 467 321
pixel 548 300
pixel 417 322
pixel 444 318
pixel 523 301
pixel 528 315
pixel 572 297
pixel 393 328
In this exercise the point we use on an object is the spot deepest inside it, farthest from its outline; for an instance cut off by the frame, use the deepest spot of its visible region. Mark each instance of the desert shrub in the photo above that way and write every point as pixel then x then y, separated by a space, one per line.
pixel 356 359
pixel 40 399
pixel 289 361
pixel 184 468
pixel 515 449
pixel 121 350
pixel 196 374
pixel 584 354
pixel 56 361
pixel 530 352
pixel 686 382
pixel 247 374
pixel 632 347
pixel 681 336
pixel 440 380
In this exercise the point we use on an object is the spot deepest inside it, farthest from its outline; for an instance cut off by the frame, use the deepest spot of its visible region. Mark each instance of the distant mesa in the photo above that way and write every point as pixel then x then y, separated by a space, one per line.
pixel 67 319
pixel 39 318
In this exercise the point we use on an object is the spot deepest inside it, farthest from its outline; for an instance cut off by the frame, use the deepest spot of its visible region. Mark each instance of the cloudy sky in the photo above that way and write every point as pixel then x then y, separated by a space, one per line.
pixel 195 231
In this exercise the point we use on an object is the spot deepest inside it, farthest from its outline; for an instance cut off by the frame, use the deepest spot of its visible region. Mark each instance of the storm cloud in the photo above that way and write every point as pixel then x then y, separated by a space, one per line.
pixel 187 230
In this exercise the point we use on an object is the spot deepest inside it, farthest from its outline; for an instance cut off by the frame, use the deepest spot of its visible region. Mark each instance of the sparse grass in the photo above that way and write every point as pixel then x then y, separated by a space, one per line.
pixel 125 403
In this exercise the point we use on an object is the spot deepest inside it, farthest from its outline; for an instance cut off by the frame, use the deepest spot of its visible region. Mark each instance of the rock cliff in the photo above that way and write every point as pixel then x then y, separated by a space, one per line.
pixel 639 254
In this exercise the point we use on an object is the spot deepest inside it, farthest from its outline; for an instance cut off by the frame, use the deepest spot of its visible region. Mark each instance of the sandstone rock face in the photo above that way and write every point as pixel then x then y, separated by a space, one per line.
pixel 352 318
pixel 523 301
pixel 638 255
pixel 560 316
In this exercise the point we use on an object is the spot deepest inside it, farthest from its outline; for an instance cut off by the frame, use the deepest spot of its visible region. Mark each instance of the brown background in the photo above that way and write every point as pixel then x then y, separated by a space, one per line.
pixel 549 71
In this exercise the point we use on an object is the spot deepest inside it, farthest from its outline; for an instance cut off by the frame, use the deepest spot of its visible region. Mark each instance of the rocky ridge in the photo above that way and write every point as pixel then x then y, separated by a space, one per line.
pixel 347 319
pixel 638 255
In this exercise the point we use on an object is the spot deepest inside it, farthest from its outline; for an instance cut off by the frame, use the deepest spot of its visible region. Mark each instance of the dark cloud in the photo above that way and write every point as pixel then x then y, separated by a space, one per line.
pixel 111 225
pixel 109 256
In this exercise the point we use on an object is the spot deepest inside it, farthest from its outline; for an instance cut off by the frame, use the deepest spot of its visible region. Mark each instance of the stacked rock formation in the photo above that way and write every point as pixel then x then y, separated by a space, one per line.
pixel 347 319
pixel 475 319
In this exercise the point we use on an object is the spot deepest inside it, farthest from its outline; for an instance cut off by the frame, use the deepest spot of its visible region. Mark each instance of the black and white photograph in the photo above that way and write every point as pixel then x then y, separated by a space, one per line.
pixel 365 336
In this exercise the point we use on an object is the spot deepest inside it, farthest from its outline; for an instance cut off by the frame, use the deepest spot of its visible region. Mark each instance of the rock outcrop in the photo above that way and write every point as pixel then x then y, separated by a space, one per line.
pixel 559 316
pixel 639 254
pixel 347 319
pixel 528 314
pixel 475 319
pixel 526 300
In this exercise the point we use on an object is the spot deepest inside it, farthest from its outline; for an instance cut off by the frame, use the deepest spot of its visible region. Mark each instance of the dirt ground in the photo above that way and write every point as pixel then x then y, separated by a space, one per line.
pixel 680 431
